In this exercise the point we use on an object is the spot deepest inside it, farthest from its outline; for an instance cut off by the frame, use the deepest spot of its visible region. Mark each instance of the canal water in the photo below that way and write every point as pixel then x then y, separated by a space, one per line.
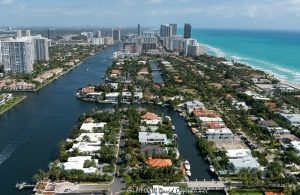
pixel 156 74
pixel 31 131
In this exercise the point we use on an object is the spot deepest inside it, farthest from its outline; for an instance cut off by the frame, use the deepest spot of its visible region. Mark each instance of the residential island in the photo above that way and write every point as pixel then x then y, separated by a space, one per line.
pixel 245 122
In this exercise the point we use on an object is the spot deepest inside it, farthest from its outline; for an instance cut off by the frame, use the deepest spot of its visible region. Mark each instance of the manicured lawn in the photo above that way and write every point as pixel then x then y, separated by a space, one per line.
pixel 245 192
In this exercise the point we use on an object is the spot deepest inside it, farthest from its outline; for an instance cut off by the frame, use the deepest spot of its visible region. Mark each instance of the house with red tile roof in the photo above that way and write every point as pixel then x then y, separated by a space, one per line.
pixel 274 193
pixel 157 162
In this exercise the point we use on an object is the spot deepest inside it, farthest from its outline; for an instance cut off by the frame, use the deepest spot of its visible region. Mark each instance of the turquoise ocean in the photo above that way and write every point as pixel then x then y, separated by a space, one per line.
pixel 276 52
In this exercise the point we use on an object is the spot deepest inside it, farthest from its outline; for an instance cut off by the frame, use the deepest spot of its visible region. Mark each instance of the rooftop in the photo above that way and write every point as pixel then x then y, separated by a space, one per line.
pixel 150 116
pixel 238 153
pixel 159 162
pixel 210 119
pixel 249 162
pixel 219 131
pixel 91 126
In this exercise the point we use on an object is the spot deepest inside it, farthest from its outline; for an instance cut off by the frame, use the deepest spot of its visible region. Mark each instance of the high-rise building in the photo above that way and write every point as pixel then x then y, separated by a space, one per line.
pixel 41 48
pixel 97 41
pixel 99 34
pixel 18 55
pixel 149 34
pixel 51 34
pixel 187 31
pixel 18 33
pixel 139 31
pixel 27 33
pixel 116 34
pixel 108 40
pixel 165 30
pixel 90 35
pixel 173 29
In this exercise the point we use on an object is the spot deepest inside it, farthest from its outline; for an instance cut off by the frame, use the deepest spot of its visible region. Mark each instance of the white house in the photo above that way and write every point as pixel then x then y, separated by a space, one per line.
pixel 112 96
pixel 238 153
pixel 293 119
pixel 191 105
pixel 91 126
pixel 240 105
pixel 256 96
pixel 152 138
pixel 93 137
pixel 151 119
pixel 210 119
pixel 219 134
pixel 86 147
pixel 296 145
pixel 241 159
pixel 138 95
pixel 278 131
pixel 77 163
pixel 244 163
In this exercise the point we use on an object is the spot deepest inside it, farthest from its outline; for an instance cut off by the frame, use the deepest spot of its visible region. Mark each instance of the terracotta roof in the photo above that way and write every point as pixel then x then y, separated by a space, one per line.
pixel 89 89
pixel 159 162
pixel 89 120
pixel 204 113
pixel 114 71
pixel 143 71
pixel 274 193
pixel 272 106
pixel 212 125
pixel 149 116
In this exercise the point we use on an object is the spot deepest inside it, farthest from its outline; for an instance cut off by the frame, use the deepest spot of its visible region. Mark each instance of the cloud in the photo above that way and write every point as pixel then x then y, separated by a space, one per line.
pixel 7 2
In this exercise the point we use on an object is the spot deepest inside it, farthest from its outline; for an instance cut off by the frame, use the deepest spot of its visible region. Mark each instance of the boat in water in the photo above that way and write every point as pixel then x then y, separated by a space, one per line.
pixel 187 165
pixel 188 173
pixel 211 168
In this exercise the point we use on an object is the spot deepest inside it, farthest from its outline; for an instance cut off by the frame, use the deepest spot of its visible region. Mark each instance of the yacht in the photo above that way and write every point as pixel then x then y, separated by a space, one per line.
pixel 188 173
pixel 211 168
pixel 187 165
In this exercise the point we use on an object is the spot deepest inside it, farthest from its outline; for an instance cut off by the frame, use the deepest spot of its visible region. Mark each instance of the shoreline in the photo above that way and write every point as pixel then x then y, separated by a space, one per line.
pixel 19 100
pixel 271 74
pixel 65 72
pixel 54 78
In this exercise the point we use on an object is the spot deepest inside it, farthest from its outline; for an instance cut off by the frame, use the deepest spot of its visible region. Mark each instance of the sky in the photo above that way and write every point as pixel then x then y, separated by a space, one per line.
pixel 238 14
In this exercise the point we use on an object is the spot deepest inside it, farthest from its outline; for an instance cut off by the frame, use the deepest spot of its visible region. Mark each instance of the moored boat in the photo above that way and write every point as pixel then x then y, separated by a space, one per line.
pixel 187 165
pixel 188 173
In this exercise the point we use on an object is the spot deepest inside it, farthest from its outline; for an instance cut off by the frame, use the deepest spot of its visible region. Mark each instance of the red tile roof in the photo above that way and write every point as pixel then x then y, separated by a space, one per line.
pixel 274 193
pixel 159 162
pixel 149 116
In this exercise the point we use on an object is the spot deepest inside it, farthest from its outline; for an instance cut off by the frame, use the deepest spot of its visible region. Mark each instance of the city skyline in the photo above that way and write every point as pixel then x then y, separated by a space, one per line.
pixel 265 14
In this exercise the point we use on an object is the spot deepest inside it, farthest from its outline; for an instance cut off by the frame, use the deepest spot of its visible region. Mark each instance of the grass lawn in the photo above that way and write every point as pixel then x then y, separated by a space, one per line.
pixel 246 192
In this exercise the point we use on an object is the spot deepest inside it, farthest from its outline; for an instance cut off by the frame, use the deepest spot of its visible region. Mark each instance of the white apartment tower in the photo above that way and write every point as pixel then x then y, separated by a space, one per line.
pixel 27 33
pixel 41 45
pixel 17 55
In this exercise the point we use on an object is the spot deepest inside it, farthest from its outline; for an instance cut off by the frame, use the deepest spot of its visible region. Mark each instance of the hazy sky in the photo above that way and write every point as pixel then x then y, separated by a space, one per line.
pixel 254 14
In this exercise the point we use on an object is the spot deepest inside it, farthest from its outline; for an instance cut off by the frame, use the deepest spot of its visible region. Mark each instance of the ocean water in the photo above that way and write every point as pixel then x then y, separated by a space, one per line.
pixel 276 52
